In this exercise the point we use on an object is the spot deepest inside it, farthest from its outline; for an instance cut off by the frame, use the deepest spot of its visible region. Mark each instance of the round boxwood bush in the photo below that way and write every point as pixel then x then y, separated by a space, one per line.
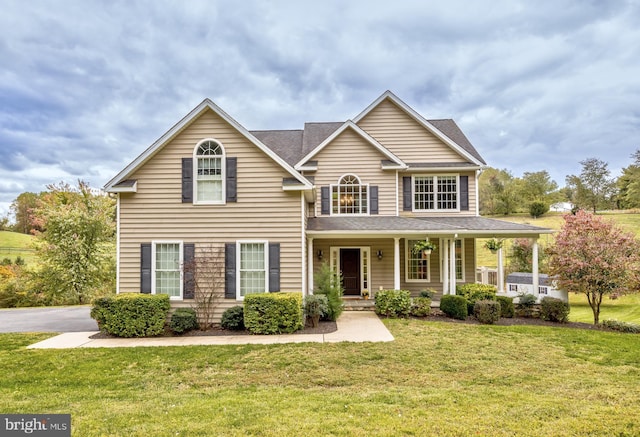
pixel 454 306
pixel 183 320
pixel 421 307
pixel 487 311
pixel 507 309
pixel 393 303
pixel 554 310
pixel 233 319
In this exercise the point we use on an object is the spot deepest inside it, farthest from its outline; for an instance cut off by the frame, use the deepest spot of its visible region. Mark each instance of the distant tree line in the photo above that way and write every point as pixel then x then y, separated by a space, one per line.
pixel 593 189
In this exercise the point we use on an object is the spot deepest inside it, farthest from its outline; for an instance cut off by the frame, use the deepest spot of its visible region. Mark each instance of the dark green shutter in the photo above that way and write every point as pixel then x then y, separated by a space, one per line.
pixel 325 201
pixel 464 193
pixel 232 179
pixel 187 180
pixel 373 199
pixel 406 193
pixel 145 268
pixel 230 270
pixel 274 267
pixel 189 284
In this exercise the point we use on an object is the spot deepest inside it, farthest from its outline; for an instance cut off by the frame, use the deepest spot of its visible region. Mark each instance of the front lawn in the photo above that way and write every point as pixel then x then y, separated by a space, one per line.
pixel 437 378
pixel 624 309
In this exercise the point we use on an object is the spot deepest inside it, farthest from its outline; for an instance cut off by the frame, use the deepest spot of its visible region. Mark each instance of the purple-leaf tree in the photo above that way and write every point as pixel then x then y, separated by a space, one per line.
pixel 595 257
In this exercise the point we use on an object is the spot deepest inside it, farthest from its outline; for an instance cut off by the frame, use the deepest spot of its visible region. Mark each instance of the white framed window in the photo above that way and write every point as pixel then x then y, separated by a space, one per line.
pixel 253 267
pixel 436 193
pixel 349 196
pixel 416 265
pixel 167 262
pixel 459 255
pixel 542 290
pixel 513 287
pixel 209 172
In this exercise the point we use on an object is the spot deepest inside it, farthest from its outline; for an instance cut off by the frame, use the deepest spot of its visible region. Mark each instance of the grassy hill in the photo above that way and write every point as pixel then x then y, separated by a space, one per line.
pixel 14 244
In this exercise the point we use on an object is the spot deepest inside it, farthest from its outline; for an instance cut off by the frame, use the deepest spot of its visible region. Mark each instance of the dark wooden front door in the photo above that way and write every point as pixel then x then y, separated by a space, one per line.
pixel 350 268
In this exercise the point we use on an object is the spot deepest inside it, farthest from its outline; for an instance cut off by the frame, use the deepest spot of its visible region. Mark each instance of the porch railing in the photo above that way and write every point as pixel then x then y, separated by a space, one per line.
pixel 487 275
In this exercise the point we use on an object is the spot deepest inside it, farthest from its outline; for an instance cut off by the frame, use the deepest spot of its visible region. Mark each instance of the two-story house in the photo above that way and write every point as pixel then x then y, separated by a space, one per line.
pixel 356 194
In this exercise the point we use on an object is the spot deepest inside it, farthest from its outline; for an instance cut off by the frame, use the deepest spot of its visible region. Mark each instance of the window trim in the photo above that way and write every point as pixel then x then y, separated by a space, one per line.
pixel 435 192
pixel 223 174
pixel 407 249
pixel 180 244
pixel 265 245
pixel 360 185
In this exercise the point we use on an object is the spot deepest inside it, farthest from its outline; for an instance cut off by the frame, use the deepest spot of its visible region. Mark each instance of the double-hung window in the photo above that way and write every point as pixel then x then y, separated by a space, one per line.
pixel 417 264
pixel 254 266
pixel 435 193
pixel 209 169
pixel 349 196
pixel 167 268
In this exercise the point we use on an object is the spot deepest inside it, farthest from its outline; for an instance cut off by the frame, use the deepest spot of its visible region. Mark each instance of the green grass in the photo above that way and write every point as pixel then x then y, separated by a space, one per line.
pixel 437 378
pixel 624 309
pixel 14 244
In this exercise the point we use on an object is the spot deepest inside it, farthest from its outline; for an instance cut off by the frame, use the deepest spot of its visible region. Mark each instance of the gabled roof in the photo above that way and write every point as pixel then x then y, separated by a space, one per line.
pixel 446 130
pixel 351 125
pixel 183 124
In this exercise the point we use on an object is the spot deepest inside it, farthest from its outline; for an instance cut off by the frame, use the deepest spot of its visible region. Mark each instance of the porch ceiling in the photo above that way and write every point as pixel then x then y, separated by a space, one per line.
pixel 397 226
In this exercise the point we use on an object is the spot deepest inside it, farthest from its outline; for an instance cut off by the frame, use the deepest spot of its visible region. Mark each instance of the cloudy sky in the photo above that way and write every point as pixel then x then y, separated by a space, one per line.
pixel 85 86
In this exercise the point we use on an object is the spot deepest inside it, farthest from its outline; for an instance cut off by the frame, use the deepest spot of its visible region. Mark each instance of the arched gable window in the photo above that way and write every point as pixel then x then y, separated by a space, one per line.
pixel 209 172
pixel 349 196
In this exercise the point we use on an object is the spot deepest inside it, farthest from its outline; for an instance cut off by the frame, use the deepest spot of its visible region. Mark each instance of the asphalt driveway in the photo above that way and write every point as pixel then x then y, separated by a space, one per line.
pixel 47 319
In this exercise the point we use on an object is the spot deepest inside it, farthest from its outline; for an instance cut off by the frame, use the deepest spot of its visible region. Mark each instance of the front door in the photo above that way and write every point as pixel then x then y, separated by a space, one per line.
pixel 350 268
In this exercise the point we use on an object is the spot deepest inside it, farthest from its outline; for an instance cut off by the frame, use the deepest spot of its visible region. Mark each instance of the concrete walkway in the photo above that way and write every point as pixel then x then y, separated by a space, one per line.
pixel 353 326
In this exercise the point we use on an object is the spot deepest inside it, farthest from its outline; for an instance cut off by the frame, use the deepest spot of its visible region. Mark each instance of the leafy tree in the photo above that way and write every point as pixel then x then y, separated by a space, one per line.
pixel 629 184
pixel 22 208
pixel 521 256
pixel 538 186
pixel 594 257
pixel 593 189
pixel 499 192
pixel 538 208
pixel 75 246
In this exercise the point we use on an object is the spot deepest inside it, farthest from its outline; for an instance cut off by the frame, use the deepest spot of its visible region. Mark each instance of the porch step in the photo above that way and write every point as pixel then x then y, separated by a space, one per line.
pixel 358 304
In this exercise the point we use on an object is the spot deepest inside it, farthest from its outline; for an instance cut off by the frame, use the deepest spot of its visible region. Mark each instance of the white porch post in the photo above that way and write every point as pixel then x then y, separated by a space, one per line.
pixel 534 267
pixel 396 263
pixel 310 265
pixel 500 272
pixel 452 266
pixel 445 267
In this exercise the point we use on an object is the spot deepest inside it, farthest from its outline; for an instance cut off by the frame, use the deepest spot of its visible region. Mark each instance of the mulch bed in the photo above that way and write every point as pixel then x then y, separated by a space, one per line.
pixel 324 327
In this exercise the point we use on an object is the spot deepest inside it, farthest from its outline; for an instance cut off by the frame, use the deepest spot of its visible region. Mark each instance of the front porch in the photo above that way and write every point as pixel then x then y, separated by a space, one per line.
pixel 375 253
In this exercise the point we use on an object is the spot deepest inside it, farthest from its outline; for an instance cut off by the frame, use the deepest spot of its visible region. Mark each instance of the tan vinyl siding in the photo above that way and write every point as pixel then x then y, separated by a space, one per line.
pixel 263 211
pixel 405 137
pixel 350 153
pixel 472 195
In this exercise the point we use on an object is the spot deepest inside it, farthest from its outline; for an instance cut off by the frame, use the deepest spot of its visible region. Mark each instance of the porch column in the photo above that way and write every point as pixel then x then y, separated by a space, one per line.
pixel 452 266
pixel 310 265
pixel 445 266
pixel 396 263
pixel 500 272
pixel 534 267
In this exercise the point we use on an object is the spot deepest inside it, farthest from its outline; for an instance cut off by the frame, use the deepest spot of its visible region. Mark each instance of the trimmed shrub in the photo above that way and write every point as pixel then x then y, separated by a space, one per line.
pixel 316 306
pixel 474 292
pixel 428 293
pixel 393 303
pixel 131 314
pixel 421 307
pixel 527 300
pixel 454 306
pixel 507 309
pixel 233 319
pixel 273 313
pixel 487 311
pixel 537 208
pixel 621 326
pixel 554 310
pixel 183 320
pixel 329 283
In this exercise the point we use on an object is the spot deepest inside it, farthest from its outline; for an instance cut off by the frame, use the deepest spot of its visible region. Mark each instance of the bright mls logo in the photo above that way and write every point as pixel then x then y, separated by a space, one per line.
pixel 45 425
